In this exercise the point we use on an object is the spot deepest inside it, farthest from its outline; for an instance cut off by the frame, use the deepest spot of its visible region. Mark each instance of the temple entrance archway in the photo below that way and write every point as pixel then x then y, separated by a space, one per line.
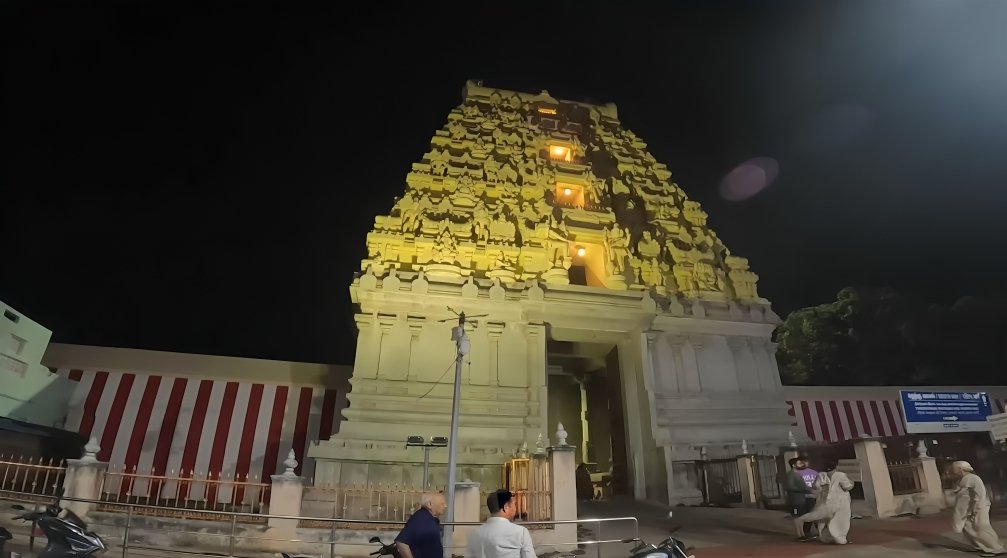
pixel 586 394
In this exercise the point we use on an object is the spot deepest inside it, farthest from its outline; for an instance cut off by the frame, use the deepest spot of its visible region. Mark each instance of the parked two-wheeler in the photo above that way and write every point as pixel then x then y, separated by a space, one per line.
pixel 67 535
pixel 386 549
pixel 5 536
pixel 668 548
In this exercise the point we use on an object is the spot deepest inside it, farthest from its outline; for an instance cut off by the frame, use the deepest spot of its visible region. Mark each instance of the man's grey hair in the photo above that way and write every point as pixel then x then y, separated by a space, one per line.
pixel 426 500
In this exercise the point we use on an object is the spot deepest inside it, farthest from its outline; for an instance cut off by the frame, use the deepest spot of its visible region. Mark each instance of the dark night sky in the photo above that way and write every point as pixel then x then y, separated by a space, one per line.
pixel 203 182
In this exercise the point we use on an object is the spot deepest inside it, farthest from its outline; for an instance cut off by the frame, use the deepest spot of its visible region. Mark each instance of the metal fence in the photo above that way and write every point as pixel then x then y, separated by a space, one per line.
pixel 232 537
pixel 185 495
pixel 379 502
pixel 905 478
pixel 767 478
pixel 721 481
pixel 31 478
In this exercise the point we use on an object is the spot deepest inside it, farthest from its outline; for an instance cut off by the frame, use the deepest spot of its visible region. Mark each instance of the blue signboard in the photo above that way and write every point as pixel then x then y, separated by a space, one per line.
pixel 927 412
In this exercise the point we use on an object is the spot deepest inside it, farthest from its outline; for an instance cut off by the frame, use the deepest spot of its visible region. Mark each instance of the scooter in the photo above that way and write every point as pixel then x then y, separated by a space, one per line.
pixel 386 549
pixel 5 536
pixel 67 534
pixel 669 548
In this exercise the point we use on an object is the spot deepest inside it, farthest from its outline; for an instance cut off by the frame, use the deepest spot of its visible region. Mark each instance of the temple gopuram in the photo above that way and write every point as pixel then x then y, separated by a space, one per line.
pixel 603 301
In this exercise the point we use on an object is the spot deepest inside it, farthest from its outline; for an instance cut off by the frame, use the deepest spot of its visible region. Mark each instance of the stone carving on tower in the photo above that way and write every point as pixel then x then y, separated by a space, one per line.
pixel 523 188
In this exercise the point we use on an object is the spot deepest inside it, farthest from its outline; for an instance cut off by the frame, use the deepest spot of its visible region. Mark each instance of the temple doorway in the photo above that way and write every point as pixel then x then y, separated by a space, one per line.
pixel 585 390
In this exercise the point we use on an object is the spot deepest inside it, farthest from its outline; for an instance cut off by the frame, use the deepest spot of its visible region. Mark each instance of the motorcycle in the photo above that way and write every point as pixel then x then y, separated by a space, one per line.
pixel 67 535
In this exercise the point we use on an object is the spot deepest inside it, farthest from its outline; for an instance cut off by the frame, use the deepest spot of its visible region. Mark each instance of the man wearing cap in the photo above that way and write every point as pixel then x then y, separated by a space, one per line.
pixel 500 537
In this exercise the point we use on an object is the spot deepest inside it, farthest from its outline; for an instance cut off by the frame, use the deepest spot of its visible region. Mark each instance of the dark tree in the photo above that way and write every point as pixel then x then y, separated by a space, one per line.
pixel 879 336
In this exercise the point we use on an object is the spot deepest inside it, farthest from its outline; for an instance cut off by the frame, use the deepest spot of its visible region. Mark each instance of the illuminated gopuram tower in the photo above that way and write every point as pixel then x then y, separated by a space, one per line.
pixel 585 262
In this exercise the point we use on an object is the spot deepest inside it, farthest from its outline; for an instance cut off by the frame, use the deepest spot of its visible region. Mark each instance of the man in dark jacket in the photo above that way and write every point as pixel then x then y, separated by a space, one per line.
pixel 797 494
pixel 421 536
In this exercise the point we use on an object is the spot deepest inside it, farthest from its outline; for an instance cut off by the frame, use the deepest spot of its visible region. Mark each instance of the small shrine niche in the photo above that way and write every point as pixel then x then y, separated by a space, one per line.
pixel 570 195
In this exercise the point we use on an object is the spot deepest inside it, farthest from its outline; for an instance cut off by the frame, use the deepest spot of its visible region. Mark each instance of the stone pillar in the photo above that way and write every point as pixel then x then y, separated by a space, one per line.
pixel 467 506
pixel 875 478
pixel 792 451
pixel 285 499
pixel 563 487
pixel 933 499
pixel 84 480
pixel 746 474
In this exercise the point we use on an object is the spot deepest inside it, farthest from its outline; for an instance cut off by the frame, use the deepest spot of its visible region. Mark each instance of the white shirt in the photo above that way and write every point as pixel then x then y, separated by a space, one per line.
pixel 500 538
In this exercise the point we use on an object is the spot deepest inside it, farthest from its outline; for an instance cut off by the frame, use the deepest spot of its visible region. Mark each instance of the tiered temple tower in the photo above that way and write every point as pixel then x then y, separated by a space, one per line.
pixel 557 226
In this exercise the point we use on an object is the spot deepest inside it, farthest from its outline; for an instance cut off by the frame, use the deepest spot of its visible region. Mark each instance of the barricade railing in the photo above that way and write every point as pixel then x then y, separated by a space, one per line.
pixel 237 518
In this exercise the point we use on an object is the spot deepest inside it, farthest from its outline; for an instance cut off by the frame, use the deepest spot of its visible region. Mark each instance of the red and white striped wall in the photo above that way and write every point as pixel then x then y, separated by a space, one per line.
pixel 837 420
pixel 168 424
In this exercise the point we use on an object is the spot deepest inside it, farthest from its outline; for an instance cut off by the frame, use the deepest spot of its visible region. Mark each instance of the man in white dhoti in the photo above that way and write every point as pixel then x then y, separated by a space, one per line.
pixel 972 511
pixel 832 512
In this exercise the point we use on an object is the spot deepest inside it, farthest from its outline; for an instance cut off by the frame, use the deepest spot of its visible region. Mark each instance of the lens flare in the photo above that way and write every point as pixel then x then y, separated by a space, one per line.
pixel 749 178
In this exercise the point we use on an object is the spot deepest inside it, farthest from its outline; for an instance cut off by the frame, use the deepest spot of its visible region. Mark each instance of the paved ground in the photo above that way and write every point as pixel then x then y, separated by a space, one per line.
pixel 737 533
pixel 729 533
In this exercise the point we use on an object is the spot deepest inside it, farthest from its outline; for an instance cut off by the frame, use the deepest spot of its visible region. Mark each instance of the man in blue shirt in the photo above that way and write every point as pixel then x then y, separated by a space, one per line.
pixel 421 536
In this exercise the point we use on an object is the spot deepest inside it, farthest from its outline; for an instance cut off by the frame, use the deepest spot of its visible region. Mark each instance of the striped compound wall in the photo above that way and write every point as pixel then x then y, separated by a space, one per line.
pixel 162 424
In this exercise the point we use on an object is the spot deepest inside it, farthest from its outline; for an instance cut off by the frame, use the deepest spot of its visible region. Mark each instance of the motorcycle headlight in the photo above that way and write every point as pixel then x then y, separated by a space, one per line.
pixel 656 555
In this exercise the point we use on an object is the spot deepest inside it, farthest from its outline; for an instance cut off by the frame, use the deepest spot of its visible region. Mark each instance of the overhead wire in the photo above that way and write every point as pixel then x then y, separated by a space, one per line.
pixel 438 382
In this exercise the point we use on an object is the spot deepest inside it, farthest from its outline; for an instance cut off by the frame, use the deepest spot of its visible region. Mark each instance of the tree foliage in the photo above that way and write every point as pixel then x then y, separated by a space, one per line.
pixel 879 336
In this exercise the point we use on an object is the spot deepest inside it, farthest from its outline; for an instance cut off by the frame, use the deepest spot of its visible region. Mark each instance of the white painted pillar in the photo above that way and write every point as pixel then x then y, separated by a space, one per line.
pixel 876 480
pixel 467 506
pixel 562 476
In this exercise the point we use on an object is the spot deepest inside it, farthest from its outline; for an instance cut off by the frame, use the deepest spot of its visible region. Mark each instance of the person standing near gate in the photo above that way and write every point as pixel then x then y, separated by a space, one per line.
pixel 810 476
pixel 500 537
pixel 797 495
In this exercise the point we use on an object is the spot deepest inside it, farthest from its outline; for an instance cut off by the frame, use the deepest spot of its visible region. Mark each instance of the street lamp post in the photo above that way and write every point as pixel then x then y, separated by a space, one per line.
pixel 462 344
pixel 420 442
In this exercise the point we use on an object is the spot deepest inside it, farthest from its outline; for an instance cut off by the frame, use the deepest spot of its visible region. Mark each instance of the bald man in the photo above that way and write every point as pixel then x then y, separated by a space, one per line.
pixel 421 536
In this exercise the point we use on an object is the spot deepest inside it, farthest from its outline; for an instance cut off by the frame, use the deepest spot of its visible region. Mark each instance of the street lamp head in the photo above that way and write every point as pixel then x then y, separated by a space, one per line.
pixel 415 441
pixel 439 441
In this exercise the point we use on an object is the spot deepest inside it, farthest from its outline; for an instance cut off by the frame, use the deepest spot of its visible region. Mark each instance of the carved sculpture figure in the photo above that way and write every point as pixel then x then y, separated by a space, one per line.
pixel 616 249
pixel 446 249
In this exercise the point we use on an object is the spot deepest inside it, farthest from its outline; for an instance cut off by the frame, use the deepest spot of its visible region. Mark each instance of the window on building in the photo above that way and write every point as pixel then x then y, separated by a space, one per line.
pixel 569 194
pixel 11 316
pixel 558 152
pixel 578 275
pixel 548 124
